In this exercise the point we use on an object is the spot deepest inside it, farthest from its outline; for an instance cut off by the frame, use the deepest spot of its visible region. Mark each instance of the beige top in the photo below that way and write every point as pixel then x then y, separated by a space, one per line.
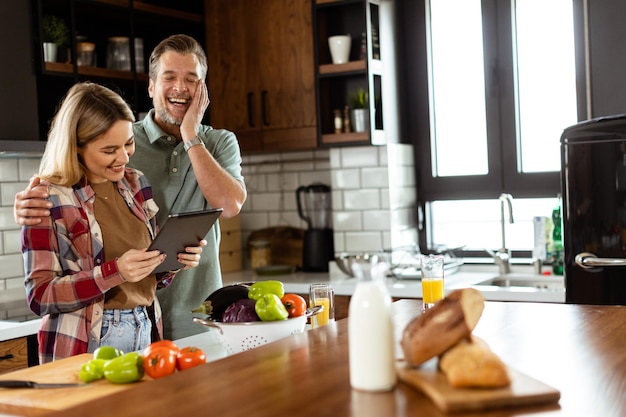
pixel 121 231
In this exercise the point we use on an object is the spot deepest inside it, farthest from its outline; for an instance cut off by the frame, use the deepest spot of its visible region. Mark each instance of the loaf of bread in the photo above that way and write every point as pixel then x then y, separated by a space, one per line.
pixel 441 327
pixel 472 364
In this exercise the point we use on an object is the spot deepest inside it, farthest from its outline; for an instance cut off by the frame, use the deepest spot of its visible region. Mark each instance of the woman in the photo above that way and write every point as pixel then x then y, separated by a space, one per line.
pixel 88 272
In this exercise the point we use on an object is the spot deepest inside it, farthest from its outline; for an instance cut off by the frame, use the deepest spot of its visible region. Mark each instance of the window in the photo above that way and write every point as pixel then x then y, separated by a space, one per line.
pixel 501 87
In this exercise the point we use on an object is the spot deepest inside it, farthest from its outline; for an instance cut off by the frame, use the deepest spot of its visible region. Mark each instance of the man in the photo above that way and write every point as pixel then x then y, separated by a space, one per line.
pixel 190 167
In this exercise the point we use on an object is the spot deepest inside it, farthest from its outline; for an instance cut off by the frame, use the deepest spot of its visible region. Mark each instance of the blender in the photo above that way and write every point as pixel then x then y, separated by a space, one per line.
pixel 314 207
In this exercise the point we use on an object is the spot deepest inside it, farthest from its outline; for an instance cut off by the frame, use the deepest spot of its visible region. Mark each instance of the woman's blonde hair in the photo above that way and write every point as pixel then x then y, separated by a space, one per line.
pixel 87 111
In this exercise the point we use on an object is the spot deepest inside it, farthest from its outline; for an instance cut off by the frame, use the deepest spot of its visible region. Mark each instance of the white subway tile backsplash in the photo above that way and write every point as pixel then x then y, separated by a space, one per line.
pixel 256 183
pixel 12 266
pixel 384 198
pixel 299 166
pixel 335 158
pixel 8 191
pixel 339 242
pixel 311 177
pixel 17 282
pixel 383 159
pixel 364 199
pixel 400 154
pixel 403 218
pixel 27 168
pixel 8 170
pixel 346 178
pixel 376 220
pixel 337 199
pixel 402 176
pixel 267 201
pixel 364 241
pixel 375 177
pixel 347 220
pixel 362 156
pixel 11 242
pixel 289 202
pixel 282 181
pixel 286 218
pixel 297 156
pixel 406 238
pixel 402 197
pixel 7 221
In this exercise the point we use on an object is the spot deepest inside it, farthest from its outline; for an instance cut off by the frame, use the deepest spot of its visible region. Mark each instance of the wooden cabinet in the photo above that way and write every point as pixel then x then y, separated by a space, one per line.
pixel 230 245
pixel 144 22
pixel 18 353
pixel 261 72
pixel 371 67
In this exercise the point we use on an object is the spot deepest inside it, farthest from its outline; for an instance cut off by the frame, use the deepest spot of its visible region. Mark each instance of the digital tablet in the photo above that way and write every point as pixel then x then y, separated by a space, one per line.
pixel 181 230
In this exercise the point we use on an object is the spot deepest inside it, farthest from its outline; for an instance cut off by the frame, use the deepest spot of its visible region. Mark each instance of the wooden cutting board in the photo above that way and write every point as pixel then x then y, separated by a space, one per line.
pixel 524 390
pixel 39 401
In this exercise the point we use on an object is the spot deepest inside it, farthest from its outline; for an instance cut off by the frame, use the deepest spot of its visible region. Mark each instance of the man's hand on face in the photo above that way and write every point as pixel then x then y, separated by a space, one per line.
pixel 195 113
pixel 31 205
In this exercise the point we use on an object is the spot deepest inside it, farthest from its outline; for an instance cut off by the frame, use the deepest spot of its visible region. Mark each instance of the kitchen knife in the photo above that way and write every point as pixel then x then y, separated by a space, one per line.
pixel 14 383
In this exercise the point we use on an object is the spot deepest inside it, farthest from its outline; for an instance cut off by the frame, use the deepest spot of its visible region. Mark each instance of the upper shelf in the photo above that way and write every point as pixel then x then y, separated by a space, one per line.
pixel 94 71
pixel 158 10
pixel 342 68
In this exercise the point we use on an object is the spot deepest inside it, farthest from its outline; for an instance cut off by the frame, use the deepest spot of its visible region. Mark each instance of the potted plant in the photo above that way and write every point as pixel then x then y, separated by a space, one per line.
pixel 359 103
pixel 55 34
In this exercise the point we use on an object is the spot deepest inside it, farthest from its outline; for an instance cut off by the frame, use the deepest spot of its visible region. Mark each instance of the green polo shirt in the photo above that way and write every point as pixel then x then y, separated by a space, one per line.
pixel 175 188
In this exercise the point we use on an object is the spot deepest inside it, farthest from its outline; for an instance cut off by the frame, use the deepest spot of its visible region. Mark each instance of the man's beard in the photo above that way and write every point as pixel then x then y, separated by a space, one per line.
pixel 167 117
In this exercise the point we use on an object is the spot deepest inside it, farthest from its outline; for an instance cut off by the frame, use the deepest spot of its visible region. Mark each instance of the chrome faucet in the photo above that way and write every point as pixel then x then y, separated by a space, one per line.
pixel 502 256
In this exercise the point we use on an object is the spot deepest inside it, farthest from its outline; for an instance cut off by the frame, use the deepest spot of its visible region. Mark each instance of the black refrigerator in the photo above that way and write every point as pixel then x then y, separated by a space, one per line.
pixel 593 186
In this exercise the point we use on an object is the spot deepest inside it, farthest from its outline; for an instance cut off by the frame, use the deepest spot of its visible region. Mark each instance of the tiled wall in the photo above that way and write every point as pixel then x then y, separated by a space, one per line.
pixel 373 196
pixel 14 175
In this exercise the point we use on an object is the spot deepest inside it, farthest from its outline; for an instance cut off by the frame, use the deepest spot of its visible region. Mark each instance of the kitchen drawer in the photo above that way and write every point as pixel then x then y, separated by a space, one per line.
pixel 13 354
pixel 230 261
pixel 230 224
pixel 231 241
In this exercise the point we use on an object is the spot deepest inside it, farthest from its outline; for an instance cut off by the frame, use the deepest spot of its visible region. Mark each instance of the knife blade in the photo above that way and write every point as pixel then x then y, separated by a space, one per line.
pixel 15 383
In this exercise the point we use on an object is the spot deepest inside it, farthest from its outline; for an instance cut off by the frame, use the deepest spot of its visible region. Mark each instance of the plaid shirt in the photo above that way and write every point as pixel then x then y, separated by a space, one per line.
pixel 66 275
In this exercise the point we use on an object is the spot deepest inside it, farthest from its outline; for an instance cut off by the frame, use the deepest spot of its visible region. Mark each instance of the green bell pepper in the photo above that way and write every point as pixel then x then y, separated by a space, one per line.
pixel 92 370
pixel 124 369
pixel 270 308
pixel 258 289
pixel 107 352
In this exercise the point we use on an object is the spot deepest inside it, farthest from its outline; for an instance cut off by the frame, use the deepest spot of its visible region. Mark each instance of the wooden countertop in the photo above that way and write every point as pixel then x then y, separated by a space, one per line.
pixel 579 350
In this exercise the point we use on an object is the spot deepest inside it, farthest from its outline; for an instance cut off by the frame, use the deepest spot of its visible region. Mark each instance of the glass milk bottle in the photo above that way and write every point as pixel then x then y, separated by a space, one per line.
pixel 370 330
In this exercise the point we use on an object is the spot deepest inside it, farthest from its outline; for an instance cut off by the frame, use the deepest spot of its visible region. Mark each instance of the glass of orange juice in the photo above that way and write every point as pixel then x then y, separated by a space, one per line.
pixel 322 294
pixel 432 279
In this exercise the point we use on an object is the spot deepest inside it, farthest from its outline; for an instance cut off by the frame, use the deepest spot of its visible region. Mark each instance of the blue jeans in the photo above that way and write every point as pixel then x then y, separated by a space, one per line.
pixel 126 330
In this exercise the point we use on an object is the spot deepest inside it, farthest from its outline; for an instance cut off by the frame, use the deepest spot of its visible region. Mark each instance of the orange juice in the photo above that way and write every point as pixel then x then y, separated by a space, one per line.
pixel 432 290
pixel 321 318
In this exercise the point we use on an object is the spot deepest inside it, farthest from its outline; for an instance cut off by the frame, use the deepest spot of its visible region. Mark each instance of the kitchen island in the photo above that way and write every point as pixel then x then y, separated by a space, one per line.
pixel 577 349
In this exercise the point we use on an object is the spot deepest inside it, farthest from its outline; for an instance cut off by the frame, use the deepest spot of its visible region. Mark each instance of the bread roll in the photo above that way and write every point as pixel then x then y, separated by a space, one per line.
pixel 445 324
pixel 471 363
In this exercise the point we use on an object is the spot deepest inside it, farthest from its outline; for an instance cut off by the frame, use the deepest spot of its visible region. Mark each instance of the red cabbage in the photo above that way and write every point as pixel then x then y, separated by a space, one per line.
pixel 240 311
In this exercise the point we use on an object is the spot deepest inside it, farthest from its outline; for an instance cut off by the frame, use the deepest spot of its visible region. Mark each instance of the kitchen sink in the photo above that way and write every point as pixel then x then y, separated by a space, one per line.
pixel 528 281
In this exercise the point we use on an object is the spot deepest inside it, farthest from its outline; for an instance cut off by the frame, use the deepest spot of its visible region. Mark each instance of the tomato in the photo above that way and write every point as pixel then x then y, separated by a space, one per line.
pixel 188 357
pixel 160 362
pixel 161 343
pixel 295 304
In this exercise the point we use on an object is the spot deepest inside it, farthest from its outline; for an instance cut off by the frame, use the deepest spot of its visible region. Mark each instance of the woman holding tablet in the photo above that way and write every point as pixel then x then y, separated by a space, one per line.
pixel 88 273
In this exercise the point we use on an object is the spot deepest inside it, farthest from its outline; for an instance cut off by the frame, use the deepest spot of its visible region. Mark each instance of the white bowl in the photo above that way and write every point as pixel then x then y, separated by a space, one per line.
pixel 239 337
